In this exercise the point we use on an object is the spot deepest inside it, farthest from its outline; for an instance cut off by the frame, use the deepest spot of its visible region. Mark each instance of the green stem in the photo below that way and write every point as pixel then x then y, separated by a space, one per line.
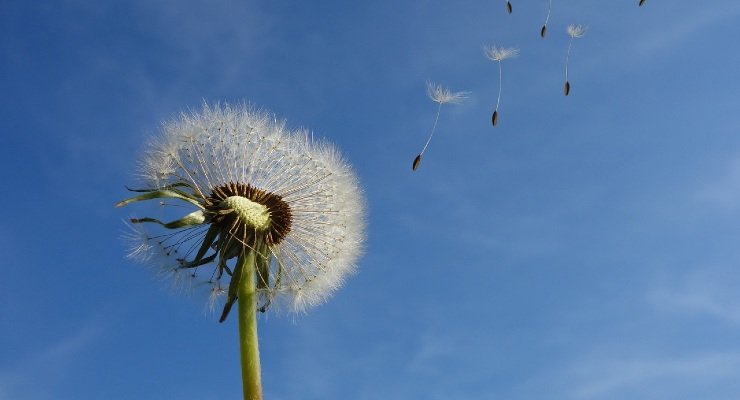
pixel 248 344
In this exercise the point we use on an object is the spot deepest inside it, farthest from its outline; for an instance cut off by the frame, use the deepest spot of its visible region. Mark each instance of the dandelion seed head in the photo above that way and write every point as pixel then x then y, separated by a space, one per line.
pixel 500 53
pixel 251 184
pixel 442 95
pixel 576 31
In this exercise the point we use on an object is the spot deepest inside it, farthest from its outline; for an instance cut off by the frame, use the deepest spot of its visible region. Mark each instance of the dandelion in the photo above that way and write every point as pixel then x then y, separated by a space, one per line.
pixel 575 32
pixel 498 54
pixel 439 95
pixel 543 30
pixel 508 6
pixel 273 218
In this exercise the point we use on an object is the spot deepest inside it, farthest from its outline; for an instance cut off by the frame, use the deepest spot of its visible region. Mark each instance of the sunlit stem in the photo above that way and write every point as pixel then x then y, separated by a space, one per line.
pixel 248 343
pixel 434 127
pixel 549 9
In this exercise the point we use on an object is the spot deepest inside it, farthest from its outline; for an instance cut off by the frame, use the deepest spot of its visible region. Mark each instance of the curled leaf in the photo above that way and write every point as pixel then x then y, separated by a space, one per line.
pixel 159 194
pixel 194 218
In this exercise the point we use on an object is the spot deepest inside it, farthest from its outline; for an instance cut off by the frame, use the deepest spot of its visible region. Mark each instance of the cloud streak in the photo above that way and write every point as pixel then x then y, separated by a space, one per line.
pixel 608 376
pixel 20 380
pixel 676 34
pixel 724 191
pixel 701 293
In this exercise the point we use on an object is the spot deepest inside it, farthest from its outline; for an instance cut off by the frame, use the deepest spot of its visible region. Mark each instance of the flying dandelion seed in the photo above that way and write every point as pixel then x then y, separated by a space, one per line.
pixel 543 30
pixel 641 3
pixel 439 95
pixel 275 218
pixel 575 32
pixel 498 54
pixel 508 6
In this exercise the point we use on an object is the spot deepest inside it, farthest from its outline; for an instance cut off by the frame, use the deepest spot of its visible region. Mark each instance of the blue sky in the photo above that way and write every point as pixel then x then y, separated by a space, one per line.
pixel 585 248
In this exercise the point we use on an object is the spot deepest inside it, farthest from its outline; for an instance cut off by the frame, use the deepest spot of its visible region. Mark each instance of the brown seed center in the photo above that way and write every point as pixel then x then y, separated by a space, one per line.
pixel 233 222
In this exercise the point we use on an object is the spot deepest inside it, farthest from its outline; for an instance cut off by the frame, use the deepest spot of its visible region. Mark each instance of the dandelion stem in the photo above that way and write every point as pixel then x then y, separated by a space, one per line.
pixel 543 30
pixel 500 74
pixel 439 109
pixel 567 58
pixel 248 343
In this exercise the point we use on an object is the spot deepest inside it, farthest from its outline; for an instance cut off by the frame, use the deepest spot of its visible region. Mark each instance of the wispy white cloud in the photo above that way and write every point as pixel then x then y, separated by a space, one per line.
pixel 21 380
pixel 674 32
pixel 228 46
pixel 706 292
pixel 724 190
pixel 616 373
pixel 648 365
pixel 434 348
pixel 614 376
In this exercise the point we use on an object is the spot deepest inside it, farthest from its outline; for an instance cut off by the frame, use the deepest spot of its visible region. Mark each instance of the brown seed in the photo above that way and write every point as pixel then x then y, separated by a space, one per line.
pixel 508 6
pixel 641 3
pixel 543 31
pixel 494 118
pixel 566 89
pixel 416 163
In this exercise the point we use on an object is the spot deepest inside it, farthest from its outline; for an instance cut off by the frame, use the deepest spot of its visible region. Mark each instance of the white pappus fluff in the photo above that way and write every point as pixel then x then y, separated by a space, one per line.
pixel 238 144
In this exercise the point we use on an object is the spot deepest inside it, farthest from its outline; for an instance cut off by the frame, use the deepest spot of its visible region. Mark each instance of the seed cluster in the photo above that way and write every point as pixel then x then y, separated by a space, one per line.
pixel 236 226
pixel 268 200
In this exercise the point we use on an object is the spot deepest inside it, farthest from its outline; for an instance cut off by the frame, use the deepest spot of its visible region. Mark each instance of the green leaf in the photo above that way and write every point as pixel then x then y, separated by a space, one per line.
pixel 207 242
pixel 194 218
pixel 197 263
pixel 263 266
pixel 234 284
pixel 159 194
